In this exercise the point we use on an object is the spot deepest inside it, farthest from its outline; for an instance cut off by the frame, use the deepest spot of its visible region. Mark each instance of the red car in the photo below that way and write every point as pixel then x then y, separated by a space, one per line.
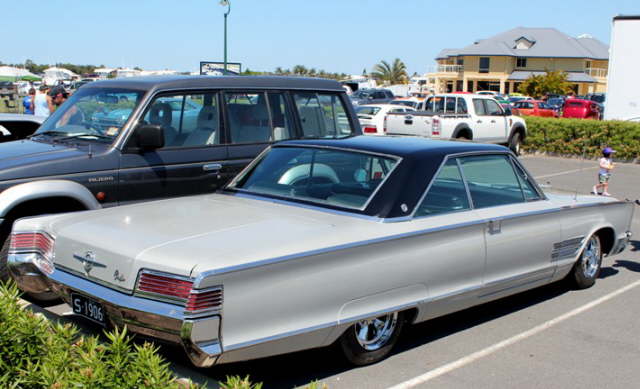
pixel 581 109
pixel 534 108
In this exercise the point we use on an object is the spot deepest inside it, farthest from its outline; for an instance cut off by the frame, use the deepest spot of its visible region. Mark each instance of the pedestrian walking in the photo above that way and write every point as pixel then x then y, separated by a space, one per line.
pixel 604 174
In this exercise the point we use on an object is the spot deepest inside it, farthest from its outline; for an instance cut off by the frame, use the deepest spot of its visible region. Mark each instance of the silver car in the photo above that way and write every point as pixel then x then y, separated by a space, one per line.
pixel 318 242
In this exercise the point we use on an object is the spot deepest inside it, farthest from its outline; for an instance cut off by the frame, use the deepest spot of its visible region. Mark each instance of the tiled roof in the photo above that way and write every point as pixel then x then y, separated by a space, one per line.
pixel 548 42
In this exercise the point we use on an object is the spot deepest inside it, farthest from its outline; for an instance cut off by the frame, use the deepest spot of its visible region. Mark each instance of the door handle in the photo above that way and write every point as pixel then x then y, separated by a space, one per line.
pixel 479 121
pixel 493 121
pixel 495 227
pixel 211 167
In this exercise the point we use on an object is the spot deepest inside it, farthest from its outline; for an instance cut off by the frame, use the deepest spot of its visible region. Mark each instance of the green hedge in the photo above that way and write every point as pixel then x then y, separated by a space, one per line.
pixel 37 353
pixel 582 137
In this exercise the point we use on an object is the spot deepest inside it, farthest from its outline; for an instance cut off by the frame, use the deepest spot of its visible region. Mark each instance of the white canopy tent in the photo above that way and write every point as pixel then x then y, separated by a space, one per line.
pixel 9 72
pixel 53 75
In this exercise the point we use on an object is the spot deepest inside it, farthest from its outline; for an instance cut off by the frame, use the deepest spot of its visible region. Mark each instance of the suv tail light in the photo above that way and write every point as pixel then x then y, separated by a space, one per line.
pixel 435 127
pixel 370 130
pixel 384 125
pixel 179 290
pixel 37 243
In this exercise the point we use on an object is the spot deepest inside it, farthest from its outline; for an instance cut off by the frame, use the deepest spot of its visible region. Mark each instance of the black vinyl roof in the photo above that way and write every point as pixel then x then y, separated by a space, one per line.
pixel 224 82
pixel 401 146
pixel 421 159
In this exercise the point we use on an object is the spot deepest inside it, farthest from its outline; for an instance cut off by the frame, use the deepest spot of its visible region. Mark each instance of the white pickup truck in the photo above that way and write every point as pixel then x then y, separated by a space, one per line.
pixel 460 116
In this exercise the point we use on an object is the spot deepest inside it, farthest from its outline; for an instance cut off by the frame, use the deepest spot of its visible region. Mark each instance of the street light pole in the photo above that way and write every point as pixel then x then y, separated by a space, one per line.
pixel 228 4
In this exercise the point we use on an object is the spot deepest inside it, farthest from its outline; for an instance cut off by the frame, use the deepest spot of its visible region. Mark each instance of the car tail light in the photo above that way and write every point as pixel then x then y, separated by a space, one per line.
pixel 435 127
pixel 37 243
pixel 384 125
pixel 179 290
pixel 370 130
pixel 165 285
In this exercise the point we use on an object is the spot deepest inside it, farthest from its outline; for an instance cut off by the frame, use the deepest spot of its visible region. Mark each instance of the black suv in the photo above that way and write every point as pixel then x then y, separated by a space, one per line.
pixel 126 140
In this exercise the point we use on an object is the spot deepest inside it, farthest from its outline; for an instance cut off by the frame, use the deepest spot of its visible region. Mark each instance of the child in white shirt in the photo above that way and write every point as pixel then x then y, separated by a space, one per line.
pixel 604 174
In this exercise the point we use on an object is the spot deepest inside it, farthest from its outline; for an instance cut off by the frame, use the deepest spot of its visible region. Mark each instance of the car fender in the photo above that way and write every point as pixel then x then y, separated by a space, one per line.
pixel 43 189
pixel 518 124
pixel 459 128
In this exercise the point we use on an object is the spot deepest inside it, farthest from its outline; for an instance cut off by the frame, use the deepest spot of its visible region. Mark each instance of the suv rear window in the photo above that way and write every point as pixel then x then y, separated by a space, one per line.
pixel 322 115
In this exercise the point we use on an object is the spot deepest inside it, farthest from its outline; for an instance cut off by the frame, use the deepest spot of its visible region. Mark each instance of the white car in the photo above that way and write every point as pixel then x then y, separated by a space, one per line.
pixel 372 116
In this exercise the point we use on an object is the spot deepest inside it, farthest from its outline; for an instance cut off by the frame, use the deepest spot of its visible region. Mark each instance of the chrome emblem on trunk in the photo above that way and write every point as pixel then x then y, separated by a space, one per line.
pixel 118 276
pixel 88 261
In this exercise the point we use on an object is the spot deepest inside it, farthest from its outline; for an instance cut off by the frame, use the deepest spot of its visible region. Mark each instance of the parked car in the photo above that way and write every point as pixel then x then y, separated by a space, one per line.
pixel 319 242
pixel 581 109
pixel 371 96
pixel 372 116
pixel 128 140
pixel 18 126
pixel 556 103
pixel 461 116
pixel 534 108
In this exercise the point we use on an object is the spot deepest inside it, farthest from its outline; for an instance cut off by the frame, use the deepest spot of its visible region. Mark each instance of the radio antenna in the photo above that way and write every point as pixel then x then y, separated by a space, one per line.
pixel 584 152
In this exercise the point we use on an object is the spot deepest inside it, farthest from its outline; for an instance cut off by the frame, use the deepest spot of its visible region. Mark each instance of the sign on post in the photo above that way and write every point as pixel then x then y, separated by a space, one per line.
pixel 217 68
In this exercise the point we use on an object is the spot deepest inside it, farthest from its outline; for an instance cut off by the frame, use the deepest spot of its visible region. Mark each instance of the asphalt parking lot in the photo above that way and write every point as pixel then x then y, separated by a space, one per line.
pixel 551 337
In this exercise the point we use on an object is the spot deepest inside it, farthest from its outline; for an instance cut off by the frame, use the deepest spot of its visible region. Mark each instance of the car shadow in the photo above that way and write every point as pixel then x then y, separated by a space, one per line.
pixel 629 265
pixel 301 368
pixel 634 245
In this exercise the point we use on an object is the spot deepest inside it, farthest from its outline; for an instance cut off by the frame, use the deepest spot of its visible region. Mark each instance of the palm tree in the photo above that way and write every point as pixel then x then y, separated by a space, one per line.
pixel 390 74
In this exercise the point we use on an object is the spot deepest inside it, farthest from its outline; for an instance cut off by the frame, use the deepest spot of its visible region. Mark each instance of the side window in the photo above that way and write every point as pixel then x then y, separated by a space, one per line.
pixel 451 105
pixel 530 194
pixel 461 107
pixel 281 117
pixel 446 194
pixel 322 115
pixel 491 180
pixel 493 109
pixel 187 120
pixel 478 106
pixel 248 117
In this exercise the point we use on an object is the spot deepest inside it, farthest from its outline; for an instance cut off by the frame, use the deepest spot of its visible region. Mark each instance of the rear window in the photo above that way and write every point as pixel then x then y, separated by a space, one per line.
pixel 367 110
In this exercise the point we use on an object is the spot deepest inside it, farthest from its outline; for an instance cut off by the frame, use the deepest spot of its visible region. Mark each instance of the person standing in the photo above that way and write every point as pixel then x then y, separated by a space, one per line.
pixel 604 174
pixel 29 101
pixel 41 102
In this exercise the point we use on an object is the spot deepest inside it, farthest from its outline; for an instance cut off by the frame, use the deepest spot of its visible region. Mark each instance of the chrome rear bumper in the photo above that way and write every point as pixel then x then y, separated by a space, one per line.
pixel 200 337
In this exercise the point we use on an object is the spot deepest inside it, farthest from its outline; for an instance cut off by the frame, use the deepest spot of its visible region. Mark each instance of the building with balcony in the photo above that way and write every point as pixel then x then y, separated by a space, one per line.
pixel 501 63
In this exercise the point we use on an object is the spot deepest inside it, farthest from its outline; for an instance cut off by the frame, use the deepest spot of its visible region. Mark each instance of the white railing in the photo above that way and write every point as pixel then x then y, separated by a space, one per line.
pixel 596 72
pixel 450 68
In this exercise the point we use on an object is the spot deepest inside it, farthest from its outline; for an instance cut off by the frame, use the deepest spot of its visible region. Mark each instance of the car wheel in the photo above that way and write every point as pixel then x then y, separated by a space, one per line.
pixel 370 340
pixel 4 275
pixel 515 143
pixel 587 268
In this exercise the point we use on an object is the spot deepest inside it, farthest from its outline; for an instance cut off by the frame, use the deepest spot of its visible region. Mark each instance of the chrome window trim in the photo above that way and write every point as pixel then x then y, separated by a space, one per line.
pixel 270 261
pixel 464 179
pixel 529 176
pixel 373 194
pixel 254 196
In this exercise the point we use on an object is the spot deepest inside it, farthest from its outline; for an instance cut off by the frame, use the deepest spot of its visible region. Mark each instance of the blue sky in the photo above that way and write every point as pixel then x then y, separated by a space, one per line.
pixel 334 35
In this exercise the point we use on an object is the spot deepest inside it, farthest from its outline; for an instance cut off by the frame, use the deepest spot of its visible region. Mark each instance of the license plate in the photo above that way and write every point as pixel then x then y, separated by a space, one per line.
pixel 88 308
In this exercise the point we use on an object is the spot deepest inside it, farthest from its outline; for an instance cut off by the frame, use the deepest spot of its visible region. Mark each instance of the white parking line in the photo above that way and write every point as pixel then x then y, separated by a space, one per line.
pixel 566 172
pixel 421 379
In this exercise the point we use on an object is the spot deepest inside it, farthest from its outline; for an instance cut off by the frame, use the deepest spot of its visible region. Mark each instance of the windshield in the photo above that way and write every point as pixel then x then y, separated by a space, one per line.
pixel 364 110
pixel 326 176
pixel 361 94
pixel 407 103
pixel 92 113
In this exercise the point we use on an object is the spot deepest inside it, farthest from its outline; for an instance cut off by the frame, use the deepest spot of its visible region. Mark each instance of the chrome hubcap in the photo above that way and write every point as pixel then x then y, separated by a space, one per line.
pixel 591 258
pixel 373 334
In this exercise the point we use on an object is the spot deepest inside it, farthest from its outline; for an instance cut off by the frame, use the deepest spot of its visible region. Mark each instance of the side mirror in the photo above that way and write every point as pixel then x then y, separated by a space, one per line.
pixel 149 137
pixel 507 111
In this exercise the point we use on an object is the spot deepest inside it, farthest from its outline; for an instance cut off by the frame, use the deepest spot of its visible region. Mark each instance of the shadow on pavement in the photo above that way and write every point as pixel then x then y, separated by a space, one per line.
pixel 629 265
pixel 606 272
pixel 634 245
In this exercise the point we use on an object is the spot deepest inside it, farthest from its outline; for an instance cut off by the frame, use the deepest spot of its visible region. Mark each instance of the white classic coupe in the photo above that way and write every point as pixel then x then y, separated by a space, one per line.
pixel 318 242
